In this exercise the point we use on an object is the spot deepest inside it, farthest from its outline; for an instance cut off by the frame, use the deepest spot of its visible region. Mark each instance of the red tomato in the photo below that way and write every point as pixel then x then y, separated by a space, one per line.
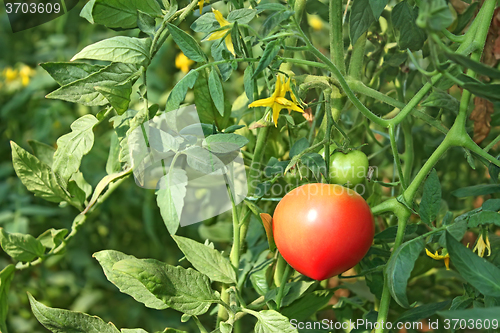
pixel 323 230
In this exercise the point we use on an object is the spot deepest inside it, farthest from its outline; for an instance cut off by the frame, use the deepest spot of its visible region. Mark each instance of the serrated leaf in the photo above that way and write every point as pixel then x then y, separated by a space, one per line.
pixel 207 112
pixel 82 91
pixel 216 91
pixel 224 143
pixel 184 290
pixel 36 176
pixel 146 22
pixel 206 260
pixel 66 72
pixel 308 305
pixel 124 282
pixel 21 247
pixel 422 312
pixel 170 197
pixel 123 49
pixel 268 56
pixel 431 198
pixel 399 267
pixel 42 151
pixel 408 34
pixel 64 321
pixel 483 218
pixel 205 23
pixel 52 238
pixel 270 321
pixel 361 19
pixel 248 82
pixel 203 160
pixel 179 92
pixel 480 273
pixel 188 45
pixel 118 96
pixel 120 14
pixel 73 146
pixel 242 16
pixel 441 99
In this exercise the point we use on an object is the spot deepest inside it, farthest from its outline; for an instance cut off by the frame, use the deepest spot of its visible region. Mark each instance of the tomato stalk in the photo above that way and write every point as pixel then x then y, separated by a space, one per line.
pixel 336 35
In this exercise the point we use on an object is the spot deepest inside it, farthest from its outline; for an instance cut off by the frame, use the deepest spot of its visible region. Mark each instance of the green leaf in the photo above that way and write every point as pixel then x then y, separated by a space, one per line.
pixel 184 290
pixel 36 176
pixel 73 146
pixel 224 143
pixel 465 17
pixel 203 160
pixel 478 67
pixel 292 292
pixel 216 91
pixel 242 16
pixel 21 247
pixel 399 269
pixel 86 12
pixel 123 49
pixel 118 96
pixel 435 15
pixel 441 99
pixel 457 230
pixel 377 7
pixel 6 276
pixel 299 146
pixel 315 163
pixel 103 183
pixel 475 190
pixel 133 330
pixel 83 91
pixel 179 92
pixel 484 217
pixel 422 312
pixel 480 273
pixel 491 205
pixel 476 314
pixel 52 238
pixel 146 22
pixel 170 197
pixel 120 14
pixel 408 34
pixel 205 23
pixel 233 128
pixel 274 20
pixel 66 72
pixel 361 19
pixel 431 198
pixel 42 151
pixel 64 321
pixel 249 83
pixel 308 305
pixel 270 321
pixel 206 260
pixel 124 282
pixel 187 44
pixel 207 112
pixel 489 91
pixel 270 53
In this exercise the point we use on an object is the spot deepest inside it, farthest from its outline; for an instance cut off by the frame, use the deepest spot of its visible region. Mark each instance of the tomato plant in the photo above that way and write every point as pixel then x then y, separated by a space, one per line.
pixel 323 230
pixel 350 167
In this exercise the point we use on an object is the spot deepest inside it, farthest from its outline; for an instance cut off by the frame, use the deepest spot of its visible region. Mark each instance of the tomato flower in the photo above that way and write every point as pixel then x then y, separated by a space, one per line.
pixel 482 245
pixel 25 73
pixel 183 63
pixel 224 32
pixel 437 256
pixel 10 74
pixel 201 3
pixel 277 101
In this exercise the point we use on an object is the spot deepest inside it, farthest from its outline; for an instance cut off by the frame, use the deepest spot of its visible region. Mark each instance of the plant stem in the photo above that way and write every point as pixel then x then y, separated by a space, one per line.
pixel 284 278
pixel 395 153
pixel 336 35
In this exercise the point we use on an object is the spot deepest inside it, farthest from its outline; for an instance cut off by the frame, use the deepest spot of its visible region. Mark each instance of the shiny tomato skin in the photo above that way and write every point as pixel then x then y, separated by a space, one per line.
pixel 322 230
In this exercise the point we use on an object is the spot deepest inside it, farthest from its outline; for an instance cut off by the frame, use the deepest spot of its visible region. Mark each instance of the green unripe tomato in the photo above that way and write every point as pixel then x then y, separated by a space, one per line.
pixel 348 168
